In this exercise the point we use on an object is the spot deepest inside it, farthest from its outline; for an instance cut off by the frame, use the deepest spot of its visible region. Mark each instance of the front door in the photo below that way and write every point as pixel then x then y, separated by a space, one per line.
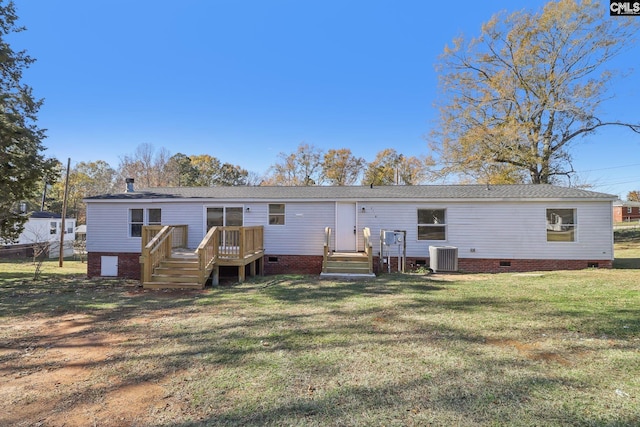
pixel 346 235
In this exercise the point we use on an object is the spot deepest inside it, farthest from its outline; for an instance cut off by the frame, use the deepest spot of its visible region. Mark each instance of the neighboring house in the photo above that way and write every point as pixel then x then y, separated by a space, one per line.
pixel 626 211
pixel 494 228
pixel 44 228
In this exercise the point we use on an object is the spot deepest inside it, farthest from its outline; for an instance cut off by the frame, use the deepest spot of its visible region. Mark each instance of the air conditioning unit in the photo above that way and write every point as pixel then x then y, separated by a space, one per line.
pixel 443 258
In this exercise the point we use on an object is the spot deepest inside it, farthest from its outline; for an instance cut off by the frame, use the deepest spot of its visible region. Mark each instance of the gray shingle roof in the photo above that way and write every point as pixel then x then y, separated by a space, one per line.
pixel 427 192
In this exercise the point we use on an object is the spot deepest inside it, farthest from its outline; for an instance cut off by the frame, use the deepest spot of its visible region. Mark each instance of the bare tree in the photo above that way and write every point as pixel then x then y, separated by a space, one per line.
pixel 146 165
pixel 517 97
pixel 391 168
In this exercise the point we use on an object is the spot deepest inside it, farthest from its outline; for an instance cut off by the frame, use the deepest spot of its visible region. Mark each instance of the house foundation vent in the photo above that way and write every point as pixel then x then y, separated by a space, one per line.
pixel 443 258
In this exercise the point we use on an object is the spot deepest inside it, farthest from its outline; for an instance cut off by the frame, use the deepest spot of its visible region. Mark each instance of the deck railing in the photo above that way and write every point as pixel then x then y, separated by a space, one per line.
pixel 327 247
pixel 207 253
pixel 157 244
pixel 368 247
pixel 179 239
pixel 220 243
pixel 240 242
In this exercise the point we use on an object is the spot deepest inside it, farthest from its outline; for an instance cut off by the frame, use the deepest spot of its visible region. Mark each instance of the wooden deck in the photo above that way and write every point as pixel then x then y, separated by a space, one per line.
pixel 168 264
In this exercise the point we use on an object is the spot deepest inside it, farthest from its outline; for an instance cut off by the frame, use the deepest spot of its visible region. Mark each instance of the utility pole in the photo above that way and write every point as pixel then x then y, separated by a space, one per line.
pixel 64 214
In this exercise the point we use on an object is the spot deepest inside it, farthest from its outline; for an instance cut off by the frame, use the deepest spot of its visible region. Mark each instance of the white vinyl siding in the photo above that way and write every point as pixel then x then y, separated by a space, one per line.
pixel 303 230
pixel 489 229
pixel 510 230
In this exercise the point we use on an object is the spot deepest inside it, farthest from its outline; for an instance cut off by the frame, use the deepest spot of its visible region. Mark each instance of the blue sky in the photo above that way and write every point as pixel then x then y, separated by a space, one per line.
pixel 246 80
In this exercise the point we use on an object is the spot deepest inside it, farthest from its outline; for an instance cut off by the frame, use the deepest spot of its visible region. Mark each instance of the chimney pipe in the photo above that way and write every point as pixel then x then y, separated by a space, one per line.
pixel 129 182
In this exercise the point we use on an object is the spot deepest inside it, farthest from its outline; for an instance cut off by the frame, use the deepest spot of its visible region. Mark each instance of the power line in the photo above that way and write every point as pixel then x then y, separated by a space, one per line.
pixel 612 167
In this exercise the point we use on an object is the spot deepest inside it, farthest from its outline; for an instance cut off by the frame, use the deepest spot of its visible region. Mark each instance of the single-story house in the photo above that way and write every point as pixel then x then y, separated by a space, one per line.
pixel 493 228
pixel 44 229
pixel 626 211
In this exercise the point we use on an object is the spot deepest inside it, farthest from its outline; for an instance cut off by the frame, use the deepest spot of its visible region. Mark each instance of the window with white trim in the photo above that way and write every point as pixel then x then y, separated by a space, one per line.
pixel 276 214
pixel 432 224
pixel 561 225
pixel 139 217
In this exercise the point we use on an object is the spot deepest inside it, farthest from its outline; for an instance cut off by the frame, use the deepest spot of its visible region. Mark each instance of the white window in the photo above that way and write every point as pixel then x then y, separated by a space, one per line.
pixel 561 225
pixel 276 214
pixel 432 224
pixel 53 227
pixel 140 217
pixel 136 221
pixel 154 216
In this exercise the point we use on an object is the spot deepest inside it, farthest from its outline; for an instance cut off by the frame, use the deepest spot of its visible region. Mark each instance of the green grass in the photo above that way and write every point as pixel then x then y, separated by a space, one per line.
pixel 552 348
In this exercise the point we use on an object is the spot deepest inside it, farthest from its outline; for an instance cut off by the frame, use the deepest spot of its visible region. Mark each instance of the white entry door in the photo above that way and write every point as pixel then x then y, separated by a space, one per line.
pixel 109 266
pixel 346 235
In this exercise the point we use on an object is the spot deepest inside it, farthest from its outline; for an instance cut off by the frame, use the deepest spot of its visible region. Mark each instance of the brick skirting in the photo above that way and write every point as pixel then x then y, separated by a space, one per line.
pixel 129 264
pixel 292 264
pixel 502 265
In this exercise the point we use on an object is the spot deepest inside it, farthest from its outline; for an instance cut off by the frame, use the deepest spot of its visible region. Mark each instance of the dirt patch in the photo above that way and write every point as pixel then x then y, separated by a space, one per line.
pixel 531 351
pixel 48 376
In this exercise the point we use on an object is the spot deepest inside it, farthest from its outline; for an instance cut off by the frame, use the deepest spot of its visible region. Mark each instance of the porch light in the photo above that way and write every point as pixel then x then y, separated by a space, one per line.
pixel 363 209
pixel 248 209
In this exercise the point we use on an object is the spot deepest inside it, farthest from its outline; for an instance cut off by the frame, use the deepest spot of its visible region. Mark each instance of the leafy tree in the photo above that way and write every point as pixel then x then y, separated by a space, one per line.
pixel 301 168
pixel 391 168
pixel 633 196
pixel 518 96
pixel 232 175
pixel 208 168
pixel 22 164
pixel 340 167
pixel 183 173
pixel 85 179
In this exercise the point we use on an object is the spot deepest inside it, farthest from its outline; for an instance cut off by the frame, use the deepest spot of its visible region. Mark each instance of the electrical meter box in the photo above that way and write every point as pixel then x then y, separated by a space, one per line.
pixel 392 238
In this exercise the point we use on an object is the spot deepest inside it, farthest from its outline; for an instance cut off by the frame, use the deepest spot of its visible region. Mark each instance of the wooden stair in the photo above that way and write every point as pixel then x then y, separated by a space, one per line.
pixel 347 264
pixel 176 273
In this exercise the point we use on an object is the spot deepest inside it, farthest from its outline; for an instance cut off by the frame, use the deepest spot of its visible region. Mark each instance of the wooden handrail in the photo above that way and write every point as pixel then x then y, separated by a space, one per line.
pixel 158 248
pixel 157 244
pixel 327 247
pixel 207 253
pixel 229 242
pixel 368 247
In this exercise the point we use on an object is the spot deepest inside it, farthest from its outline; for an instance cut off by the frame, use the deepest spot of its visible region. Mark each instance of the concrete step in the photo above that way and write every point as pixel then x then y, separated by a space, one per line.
pixel 347 270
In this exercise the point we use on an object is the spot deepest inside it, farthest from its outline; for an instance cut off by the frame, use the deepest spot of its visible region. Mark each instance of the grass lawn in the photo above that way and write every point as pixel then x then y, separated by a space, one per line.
pixel 552 348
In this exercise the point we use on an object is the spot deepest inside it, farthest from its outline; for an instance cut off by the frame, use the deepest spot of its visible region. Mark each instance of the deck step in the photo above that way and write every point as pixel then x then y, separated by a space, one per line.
pixel 177 270
pixel 180 262
pixel 346 263
pixel 172 285
pixel 175 278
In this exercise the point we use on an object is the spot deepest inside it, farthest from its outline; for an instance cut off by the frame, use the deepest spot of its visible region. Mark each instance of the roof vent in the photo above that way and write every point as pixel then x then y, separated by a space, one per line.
pixel 129 182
